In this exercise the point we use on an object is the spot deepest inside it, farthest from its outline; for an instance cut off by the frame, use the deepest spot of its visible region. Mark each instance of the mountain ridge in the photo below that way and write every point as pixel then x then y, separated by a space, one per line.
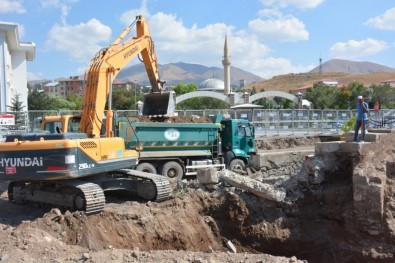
pixel 173 73
pixel 351 67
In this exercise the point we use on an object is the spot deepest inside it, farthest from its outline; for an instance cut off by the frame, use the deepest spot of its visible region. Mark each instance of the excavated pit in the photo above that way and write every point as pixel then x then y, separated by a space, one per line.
pixel 316 223
pixel 311 228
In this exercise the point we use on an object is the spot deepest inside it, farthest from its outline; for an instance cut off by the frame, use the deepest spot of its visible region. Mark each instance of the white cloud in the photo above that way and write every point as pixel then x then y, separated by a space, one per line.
pixel 300 4
pixel 129 16
pixel 80 41
pixel 385 21
pixel 173 36
pixel 174 42
pixel 281 29
pixel 354 49
pixel 270 13
pixel 11 6
pixel 63 5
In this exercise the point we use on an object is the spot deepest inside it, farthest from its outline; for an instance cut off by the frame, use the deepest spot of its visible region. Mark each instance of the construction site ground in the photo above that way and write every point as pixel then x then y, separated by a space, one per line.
pixel 205 224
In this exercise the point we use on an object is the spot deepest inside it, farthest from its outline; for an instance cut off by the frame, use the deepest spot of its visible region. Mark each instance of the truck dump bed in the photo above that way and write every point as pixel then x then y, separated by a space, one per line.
pixel 161 136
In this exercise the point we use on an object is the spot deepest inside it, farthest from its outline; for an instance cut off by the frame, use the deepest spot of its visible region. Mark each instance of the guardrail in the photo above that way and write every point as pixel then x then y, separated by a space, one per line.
pixel 267 121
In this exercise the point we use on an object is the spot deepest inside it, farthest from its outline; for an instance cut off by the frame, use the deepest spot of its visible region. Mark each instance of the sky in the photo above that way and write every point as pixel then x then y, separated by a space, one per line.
pixel 265 37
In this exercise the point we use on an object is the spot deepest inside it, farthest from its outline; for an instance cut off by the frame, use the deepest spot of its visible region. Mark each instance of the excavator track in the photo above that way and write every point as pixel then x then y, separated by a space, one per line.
pixel 152 187
pixel 71 194
pixel 88 196
pixel 93 196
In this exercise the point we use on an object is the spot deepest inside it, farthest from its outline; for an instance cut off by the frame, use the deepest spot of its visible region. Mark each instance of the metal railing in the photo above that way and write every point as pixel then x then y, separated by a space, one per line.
pixel 266 121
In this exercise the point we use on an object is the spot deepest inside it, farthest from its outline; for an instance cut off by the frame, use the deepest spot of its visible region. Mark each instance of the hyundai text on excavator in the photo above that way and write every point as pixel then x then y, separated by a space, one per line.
pixel 74 169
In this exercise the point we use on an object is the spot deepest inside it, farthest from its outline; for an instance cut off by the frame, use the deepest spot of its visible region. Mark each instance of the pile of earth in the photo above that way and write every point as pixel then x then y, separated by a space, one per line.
pixel 286 142
pixel 196 225
pixel 208 224
pixel 174 119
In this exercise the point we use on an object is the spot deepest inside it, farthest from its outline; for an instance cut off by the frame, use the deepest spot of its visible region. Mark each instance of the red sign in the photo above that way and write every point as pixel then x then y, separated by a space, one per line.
pixel 10 170
pixel 7 119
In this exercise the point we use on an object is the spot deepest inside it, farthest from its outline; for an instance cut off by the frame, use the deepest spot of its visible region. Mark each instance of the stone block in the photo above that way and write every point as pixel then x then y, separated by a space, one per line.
pixel 369 136
pixel 382 130
pixel 327 147
pixel 207 176
pixel 353 147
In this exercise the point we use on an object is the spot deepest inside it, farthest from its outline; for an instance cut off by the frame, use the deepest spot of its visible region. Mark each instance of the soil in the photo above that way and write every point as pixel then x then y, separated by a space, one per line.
pixel 200 224
pixel 174 119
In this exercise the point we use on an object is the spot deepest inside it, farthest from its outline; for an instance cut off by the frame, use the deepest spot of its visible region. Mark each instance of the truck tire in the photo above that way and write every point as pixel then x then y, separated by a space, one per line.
pixel 236 164
pixel 173 171
pixel 146 167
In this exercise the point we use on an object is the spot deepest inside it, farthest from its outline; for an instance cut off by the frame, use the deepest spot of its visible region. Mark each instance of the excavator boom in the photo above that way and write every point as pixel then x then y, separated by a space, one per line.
pixel 106 65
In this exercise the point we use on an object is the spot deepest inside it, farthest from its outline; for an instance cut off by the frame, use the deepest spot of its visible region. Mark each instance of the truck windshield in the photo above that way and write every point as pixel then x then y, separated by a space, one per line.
pixel 244 131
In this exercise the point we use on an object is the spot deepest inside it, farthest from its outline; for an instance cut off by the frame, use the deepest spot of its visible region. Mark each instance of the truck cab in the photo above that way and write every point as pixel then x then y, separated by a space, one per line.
pixel 238 142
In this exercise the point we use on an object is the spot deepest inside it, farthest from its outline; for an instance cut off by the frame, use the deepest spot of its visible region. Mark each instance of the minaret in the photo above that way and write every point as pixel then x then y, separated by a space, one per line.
pixel 226 64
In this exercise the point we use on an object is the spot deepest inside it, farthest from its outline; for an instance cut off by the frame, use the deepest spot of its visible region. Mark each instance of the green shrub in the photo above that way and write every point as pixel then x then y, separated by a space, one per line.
pixel 348 125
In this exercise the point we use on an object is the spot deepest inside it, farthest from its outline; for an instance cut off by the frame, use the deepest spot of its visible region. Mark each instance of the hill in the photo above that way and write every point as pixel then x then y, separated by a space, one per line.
pixel 175 73
pixel 351 67
pixel 293 81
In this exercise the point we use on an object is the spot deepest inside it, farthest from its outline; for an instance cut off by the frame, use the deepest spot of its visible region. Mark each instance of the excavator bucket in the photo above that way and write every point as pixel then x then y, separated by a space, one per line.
pixel 158 103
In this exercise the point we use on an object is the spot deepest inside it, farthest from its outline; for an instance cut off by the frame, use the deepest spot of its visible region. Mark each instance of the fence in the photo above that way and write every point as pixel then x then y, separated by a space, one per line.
pixel 266 121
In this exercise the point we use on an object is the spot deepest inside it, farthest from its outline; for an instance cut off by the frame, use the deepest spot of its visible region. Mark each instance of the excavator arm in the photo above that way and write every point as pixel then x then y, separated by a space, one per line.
pixel 103 69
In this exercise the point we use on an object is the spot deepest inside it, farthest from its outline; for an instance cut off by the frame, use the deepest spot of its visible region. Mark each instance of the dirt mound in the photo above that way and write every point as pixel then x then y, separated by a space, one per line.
pixel 195 226
pixel 270 143
pixel 175 119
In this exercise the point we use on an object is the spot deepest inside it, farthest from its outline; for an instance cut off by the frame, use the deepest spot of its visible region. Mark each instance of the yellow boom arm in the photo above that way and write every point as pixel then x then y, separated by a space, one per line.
pixel 103 69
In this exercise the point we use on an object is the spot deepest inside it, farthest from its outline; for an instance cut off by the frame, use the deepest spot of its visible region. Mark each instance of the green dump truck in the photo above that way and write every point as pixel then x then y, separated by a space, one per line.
pixel 178 149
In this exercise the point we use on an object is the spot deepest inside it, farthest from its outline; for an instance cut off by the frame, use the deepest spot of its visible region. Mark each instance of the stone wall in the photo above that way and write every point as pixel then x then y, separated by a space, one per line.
pixel 278 167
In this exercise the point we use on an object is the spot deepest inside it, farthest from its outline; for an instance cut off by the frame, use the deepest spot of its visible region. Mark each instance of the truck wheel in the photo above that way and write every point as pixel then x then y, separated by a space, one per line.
pixel 236 164
pixel 146 167
pixel 173 171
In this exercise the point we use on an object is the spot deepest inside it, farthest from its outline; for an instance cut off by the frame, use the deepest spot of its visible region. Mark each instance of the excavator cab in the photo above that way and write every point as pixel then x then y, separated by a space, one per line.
pixel 159 103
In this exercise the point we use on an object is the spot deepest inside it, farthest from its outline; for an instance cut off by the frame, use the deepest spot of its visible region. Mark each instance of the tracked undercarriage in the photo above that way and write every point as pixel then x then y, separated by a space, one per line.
pixel 87 194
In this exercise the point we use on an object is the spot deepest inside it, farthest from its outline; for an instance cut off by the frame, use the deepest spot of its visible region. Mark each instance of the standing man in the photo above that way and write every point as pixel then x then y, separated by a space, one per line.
pixel 362 118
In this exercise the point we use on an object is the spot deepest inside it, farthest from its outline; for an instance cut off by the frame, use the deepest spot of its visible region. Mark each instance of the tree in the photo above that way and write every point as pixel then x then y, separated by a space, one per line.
pixel 323 96
pixel 183 88
pixel 197 103
pixel 17 107
pixel 37 100
pixel 344 98
pixel 76 99
pixel 384 94
pixel 122 99
pixel 16 104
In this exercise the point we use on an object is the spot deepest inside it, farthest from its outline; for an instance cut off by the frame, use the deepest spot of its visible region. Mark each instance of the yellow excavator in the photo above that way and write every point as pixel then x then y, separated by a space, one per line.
pixel 105 67
pixel 73 169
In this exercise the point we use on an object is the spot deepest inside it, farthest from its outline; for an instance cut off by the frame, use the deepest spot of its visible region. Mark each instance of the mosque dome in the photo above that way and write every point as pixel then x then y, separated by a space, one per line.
pixel 212 85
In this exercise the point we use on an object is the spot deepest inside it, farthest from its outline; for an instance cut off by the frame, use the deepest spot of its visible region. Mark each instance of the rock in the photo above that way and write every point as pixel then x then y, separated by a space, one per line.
pixel 230 245
pixel 207 176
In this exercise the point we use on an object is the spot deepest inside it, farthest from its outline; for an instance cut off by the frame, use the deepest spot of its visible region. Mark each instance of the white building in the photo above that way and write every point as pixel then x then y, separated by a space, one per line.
pixel 13 69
